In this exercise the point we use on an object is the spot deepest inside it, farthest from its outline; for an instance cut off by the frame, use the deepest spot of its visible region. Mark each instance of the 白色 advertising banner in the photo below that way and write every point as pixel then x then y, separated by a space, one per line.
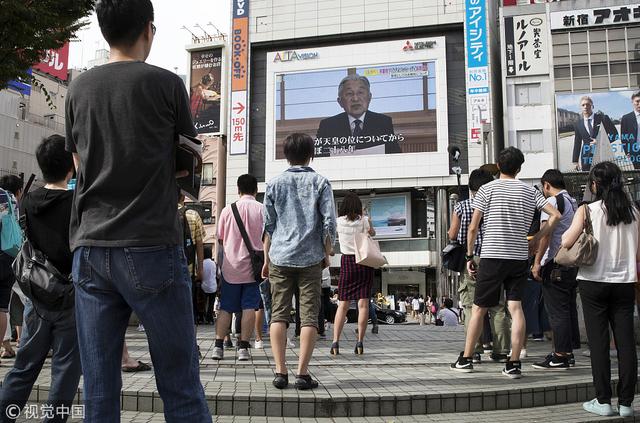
pixel 595 127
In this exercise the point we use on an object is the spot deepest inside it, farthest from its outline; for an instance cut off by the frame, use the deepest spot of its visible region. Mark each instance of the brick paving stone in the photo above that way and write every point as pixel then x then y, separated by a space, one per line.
pixel 404 368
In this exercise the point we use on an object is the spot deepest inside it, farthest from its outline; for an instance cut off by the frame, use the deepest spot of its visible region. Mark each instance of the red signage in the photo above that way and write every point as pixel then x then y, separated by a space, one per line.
pixel 55 62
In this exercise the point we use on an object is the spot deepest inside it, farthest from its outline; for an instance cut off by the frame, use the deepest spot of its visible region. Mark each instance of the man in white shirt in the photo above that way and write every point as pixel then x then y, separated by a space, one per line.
pixel 629 131
pixel 415 307
pixel 209 282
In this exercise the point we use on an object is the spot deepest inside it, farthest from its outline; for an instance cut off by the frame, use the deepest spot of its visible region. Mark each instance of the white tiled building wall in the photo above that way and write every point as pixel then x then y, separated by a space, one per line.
pixel 272 20
pixel 286 19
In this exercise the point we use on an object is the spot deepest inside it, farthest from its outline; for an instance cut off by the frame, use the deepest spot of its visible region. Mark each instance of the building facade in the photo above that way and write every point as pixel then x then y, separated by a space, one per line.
pixel 432 68
pixel 26 117
pixel 586 51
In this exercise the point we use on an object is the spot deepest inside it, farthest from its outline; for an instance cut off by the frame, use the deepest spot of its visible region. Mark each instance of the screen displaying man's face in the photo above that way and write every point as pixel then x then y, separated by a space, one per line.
pixel 636 104
pixel 354 98
pixel 586 107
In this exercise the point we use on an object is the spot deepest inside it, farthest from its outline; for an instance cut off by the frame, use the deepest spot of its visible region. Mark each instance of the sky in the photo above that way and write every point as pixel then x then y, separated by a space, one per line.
pixel 613 103
pixel 168 49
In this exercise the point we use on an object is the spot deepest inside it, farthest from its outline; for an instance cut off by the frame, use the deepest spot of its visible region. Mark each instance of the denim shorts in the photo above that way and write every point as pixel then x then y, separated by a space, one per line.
pixel 235 297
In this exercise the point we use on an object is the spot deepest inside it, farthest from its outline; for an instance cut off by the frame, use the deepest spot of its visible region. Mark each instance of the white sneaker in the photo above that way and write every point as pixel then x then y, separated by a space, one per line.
pixel 243 354
pixel 140 327
pixel 290 343
pixel 218 353
pixel 625 411
pixel 595 407
pixel 523 354
pixel 258 344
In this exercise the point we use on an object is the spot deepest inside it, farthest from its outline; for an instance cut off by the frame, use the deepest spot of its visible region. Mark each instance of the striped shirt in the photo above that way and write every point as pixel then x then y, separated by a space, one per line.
pixel 464 211
pixel 508 206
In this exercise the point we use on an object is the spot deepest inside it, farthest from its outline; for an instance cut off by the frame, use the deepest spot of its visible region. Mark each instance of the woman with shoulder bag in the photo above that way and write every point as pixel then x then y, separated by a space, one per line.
pixel 355 280
pixel 607 286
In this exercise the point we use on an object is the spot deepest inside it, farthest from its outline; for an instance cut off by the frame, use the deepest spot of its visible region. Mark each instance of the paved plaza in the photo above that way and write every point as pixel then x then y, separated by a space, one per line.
pixel 403 376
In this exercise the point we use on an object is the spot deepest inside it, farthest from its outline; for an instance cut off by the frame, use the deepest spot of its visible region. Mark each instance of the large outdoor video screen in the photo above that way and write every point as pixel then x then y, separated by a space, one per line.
pixel 394 107
pixel 381 104
pixel 594 127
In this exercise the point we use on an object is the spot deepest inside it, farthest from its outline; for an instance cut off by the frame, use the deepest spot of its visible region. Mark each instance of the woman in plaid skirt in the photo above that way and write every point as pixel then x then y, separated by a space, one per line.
pixel 355 280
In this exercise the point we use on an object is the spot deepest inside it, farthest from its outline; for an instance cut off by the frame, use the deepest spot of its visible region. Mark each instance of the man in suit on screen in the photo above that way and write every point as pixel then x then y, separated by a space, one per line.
pixel 373 131
pixel 629 131
pixel 586 131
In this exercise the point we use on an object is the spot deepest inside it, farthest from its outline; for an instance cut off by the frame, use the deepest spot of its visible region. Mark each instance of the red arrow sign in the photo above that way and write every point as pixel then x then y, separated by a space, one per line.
pixel 239 108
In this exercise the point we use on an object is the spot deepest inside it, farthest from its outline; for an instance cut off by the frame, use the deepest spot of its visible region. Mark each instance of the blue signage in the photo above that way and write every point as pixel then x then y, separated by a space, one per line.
pixel 241 8
pixel 20 86
pixel 475 19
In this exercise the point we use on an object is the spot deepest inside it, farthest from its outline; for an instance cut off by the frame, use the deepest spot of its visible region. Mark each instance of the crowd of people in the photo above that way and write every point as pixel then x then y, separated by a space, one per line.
pixel 131 246
pixel 508 246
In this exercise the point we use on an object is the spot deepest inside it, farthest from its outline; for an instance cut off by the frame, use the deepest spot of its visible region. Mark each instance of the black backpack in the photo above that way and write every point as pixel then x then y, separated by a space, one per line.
pixel 187 239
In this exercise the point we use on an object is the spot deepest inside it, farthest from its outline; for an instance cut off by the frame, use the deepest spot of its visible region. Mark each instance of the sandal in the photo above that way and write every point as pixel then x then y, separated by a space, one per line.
pixel 7 354
pixel 359 350
pixel 141 367
pixel 335 349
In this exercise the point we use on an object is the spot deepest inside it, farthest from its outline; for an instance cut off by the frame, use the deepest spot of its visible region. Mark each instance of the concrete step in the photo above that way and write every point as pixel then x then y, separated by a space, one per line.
pixel 566 413
pixel 404 371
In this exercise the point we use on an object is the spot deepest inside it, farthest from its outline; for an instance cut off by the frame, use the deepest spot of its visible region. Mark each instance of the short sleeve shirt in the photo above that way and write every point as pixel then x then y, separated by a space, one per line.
pixel 555 241
pixel 195 225
pixel 123 119
pixel 236 265
pixel 347 230
pixel 508 207
pixel 464 211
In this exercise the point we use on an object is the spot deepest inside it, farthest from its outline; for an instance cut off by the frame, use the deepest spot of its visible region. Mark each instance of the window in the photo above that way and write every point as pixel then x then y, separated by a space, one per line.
pixel 207 174
pixel 528 94
pixel 530 141
pixel 562 72
pixel 597 59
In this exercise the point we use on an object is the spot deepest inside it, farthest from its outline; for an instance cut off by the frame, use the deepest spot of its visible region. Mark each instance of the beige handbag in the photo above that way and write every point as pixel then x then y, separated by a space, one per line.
pixel 585 250
pixel 368 250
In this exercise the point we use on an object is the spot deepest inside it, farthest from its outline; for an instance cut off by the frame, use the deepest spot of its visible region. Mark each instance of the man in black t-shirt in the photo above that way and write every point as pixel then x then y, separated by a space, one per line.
pixel 47 212
pixel 122 121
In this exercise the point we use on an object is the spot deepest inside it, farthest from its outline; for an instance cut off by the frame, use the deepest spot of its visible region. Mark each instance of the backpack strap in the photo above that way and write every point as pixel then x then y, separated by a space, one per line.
pixel 186 230
pixel 243 231
pixel 560 203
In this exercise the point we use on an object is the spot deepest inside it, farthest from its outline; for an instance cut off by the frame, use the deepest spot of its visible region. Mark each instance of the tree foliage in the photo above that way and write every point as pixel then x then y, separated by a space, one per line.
pixel 30 27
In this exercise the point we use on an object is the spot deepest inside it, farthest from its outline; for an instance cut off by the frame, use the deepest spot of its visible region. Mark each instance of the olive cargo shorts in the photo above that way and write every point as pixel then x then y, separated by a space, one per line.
pixel 284 281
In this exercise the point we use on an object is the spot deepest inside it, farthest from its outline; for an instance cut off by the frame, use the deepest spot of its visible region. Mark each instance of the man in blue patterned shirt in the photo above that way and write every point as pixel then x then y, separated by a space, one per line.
pixel 300 229
pixel 500 324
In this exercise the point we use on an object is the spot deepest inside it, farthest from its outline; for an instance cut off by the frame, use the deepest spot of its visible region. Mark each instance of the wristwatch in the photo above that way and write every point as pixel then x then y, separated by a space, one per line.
pixel 468 258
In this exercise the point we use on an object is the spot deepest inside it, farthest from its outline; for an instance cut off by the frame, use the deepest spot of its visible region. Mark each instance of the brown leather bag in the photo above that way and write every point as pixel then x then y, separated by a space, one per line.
pixel 585 250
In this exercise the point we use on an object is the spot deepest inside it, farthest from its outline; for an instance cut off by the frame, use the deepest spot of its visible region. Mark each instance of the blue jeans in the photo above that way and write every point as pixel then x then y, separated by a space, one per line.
pixel 265 293
pixel 154 282
pixel 533 308
pixel 372 314
pixel 56 331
